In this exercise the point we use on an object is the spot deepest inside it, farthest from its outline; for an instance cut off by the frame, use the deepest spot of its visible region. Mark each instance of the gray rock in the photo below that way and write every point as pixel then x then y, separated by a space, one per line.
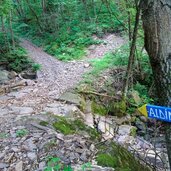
pixel 63 109
pixel 4 112
pixel 19 166
pixel 126 129
pixel 16 95
pixel 5 97
pixel 92 147
pixel 31 146
pixel 72 156
pixel 12 74
pixel 3 165
pixel 141 127
pixel 15 149
pixel 86 65
pixel 79 150
pixel 71 98
pixel 31 155
pixel 143 118
pixel 21 110
pixel 29 75
pixel 4 76
pixel 83 157
pixel 42 165
pixel 2 154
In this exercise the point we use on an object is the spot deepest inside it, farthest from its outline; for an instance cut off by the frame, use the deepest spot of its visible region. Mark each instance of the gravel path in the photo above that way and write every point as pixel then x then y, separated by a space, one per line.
pixel 55 76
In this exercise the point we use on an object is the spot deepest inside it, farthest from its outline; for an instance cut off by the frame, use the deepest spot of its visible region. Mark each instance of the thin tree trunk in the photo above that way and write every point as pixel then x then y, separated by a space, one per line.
pixel 5 34
pixel 2 24
pixel 11 30
pixel 132 53
pixel 129 21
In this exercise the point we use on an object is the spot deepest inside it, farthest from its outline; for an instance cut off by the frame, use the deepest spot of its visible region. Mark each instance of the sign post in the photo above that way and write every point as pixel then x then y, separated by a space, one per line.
pixel 156 112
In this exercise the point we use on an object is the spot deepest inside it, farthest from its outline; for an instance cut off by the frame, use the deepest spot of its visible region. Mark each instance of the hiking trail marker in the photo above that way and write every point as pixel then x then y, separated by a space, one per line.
pixel 156 112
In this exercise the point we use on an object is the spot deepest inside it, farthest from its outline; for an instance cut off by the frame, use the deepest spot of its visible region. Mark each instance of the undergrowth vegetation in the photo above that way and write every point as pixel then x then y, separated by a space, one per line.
pixel 14 59
pixel 142 73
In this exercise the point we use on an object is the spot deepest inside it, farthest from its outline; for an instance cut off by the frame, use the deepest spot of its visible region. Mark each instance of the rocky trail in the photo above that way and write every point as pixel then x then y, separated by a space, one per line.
pixel 28 116
pixel 22 140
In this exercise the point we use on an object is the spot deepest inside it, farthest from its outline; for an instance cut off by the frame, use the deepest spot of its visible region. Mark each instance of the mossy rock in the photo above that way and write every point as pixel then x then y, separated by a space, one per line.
pixel 43 123
pixel 115 156
pixel 118 108
pixel 99 109
pixel 107 160
pixel 133 131
pixel 68 126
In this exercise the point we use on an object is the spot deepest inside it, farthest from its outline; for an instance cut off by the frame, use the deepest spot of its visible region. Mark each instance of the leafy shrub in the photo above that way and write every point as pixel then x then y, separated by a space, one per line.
pixel 54 164
pixel 16 60
pixel 36 67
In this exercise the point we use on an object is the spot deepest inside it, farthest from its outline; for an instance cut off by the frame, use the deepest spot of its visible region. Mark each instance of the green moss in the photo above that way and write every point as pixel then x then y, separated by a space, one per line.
pixel 118 108
pixel 133 131
pixel 82 104
pixel 43 123
pixel 98 109
pixel 68 126
pixel 64 127
pixel 113 155
pixel 106 160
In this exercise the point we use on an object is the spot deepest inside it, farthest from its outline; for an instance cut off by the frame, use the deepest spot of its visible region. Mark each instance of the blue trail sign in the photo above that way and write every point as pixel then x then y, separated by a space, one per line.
pixel 156 112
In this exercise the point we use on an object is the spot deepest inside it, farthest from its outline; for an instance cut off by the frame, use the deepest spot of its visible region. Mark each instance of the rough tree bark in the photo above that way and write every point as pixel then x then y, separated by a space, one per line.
pixel 156 16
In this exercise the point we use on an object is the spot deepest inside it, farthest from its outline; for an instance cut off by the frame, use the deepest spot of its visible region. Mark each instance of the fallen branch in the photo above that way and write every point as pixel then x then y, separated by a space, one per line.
pixel 9 88
pixel 98 94
pixel 3 63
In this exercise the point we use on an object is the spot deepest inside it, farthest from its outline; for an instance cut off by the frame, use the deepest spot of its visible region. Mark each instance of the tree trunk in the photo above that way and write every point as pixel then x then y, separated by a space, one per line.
pixel 11 30
pixel 5 34
pixel 157 27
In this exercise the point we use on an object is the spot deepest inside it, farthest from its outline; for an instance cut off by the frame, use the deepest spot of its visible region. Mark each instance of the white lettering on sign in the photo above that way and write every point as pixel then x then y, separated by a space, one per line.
pixel 152 113
pixel 159 113
pixel 162 115
pixel 169 115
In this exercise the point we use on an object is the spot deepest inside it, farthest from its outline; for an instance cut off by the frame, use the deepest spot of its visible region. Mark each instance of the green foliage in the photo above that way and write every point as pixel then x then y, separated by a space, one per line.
pixel 16 59
pixel 110 60
pixel 54 164
pixel 106 160
pixel 143 92
pixel 67 35
pixel 86 167
pixel 5 7
pixel 114 155
pixel 36 67
pixel 4 135
pixel 99 109
pixel 43 123
pixel 21 132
